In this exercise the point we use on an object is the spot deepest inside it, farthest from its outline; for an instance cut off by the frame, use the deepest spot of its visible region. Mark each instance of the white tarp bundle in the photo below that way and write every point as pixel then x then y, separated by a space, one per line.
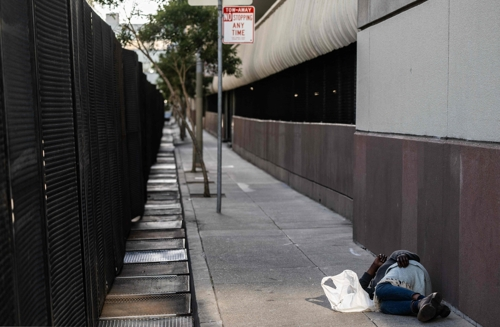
pixel 297 31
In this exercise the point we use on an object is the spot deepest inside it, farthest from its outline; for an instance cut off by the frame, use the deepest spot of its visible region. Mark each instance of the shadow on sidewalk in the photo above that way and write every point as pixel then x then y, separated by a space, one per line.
pixel 320 300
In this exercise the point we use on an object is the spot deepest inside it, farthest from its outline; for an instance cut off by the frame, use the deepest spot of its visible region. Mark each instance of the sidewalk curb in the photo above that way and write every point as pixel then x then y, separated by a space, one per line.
pixel 205 311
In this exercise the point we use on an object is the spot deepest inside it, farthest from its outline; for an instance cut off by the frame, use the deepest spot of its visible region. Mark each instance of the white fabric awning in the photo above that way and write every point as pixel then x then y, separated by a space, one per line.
pixel 293 32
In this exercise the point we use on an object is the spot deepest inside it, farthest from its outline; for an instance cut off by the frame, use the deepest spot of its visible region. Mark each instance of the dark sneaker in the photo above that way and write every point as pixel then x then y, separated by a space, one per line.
pixel 443 311
pixel 427 307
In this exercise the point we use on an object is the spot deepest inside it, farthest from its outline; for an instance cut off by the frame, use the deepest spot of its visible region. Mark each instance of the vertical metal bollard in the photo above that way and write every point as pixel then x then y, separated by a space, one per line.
pixel 219 114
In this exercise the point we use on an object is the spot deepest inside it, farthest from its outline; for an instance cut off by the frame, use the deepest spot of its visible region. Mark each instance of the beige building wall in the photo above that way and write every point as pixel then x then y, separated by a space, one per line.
pixel 433 70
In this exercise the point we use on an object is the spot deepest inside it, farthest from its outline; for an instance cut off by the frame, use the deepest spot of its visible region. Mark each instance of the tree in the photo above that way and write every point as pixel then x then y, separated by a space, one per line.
pixel 187 30
pixel 191 30
pixel 105 2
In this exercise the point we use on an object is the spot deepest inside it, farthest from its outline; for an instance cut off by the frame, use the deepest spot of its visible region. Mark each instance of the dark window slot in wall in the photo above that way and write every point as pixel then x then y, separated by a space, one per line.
pixel 319 90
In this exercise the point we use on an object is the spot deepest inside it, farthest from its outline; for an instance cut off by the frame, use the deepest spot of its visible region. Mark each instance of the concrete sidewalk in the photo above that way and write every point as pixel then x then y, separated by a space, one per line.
pixel 261 261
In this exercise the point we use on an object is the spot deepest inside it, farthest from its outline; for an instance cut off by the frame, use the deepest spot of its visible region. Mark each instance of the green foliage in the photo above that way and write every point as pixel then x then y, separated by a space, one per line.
pixel 190 29
pixel 106 2
pixel 168 64
pixel 185 30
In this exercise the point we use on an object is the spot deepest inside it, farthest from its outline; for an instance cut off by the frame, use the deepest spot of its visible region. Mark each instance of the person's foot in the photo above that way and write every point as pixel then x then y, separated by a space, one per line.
pixel 428 307
pixel 443 311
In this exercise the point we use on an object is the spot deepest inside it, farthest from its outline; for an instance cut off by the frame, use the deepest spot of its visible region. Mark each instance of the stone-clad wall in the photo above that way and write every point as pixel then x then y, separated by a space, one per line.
pixel 427 144
pixel 440 199
pixel 315 159
pixel 210 122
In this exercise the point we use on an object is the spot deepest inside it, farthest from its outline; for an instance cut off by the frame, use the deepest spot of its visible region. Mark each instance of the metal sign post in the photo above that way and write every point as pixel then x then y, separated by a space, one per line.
pixel 215 2
pixel 219 74
pixel 219 113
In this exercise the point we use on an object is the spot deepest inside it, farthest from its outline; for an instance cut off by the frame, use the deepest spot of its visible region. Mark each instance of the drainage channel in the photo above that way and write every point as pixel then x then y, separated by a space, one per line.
pixel 153 288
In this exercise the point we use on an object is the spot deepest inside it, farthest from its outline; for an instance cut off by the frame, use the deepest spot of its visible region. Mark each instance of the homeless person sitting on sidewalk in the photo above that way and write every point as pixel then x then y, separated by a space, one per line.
pixel 399 284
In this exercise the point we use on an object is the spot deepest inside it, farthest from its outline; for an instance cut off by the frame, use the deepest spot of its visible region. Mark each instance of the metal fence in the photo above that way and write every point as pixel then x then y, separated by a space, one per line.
pixel 319 90
pixel 79 129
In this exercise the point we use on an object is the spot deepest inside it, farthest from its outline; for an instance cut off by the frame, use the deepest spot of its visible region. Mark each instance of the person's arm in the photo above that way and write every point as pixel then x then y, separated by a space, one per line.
pixel 370 273
pixel 403 257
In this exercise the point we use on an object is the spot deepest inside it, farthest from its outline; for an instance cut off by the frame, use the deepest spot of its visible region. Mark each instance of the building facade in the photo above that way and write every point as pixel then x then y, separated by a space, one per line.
pixel 427 152
pixel 416 163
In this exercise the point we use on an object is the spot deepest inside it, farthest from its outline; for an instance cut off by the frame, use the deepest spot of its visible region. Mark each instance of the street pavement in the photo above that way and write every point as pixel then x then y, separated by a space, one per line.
pixel 260 262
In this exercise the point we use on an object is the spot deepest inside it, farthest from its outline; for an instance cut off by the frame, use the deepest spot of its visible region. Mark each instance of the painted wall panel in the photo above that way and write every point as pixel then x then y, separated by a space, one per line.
pixel 381 8
pixel 363 90
pixel 408 73
pixel 474 98
pixel 432 70
pixel 363 12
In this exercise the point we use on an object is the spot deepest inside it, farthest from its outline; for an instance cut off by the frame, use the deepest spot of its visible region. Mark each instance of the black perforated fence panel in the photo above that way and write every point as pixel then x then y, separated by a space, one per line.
pixel 143 109
pixel 54 72
pixel 74 160
pixel 154 121
pixel 7 308
pixel 104 253
pixel 114 150
pixel 319 90
pixel 122 140
pixel 24 162
pixel 144 122
pixel 104 150
pixel 133 123
pixel 95 198
pixel 147 130
pixel 82 116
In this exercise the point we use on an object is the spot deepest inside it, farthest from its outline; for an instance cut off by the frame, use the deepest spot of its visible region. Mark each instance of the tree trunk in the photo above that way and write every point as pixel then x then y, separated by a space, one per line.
pixel 183 121
pixel 206 190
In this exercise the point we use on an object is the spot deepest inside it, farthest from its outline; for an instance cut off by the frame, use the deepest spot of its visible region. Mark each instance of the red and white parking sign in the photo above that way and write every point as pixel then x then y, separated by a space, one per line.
pixel 239 24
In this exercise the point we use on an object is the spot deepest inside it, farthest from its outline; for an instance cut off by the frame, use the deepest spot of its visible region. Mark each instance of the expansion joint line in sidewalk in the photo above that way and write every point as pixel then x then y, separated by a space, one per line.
pixel 179 157
pixel 206 262
pixel 281 230
pixel 371 320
